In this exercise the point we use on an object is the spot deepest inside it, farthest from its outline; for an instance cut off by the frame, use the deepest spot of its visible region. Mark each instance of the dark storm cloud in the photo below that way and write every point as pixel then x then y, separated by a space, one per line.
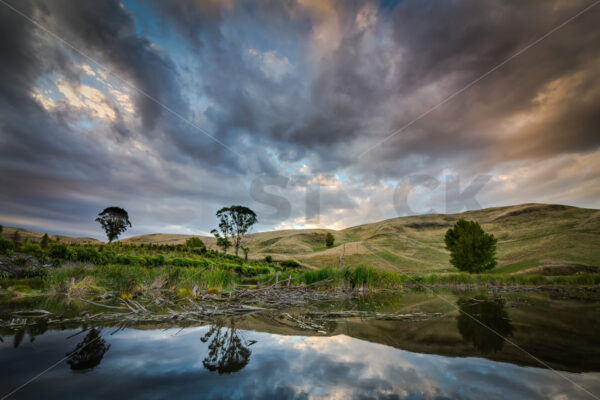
pixel 368 87
pixel 466 40
pixel 48 164
pixel 287 83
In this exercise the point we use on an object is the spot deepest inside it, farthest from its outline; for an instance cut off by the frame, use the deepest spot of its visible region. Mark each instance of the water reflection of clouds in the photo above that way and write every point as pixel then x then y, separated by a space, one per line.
pixel 158 364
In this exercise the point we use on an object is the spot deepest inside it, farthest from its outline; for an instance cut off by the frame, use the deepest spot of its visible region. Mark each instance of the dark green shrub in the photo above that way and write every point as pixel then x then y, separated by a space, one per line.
pixel 58 251
pixel 35 272
pixel 31 248
pixel 20 261
pixel 6 246
pixel 196 244
pixel 290 264
pixel 268 259
pixel 5 275
pixel 158 260
pixel 329 239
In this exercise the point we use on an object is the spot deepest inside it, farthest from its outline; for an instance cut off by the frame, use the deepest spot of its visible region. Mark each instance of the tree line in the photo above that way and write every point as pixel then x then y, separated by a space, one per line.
pixel 471 248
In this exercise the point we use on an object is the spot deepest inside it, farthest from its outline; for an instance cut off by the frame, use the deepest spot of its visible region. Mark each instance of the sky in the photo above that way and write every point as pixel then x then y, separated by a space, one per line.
pixel 314 113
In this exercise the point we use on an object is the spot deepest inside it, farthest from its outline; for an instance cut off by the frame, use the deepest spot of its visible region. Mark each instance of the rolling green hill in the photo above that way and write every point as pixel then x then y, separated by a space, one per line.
pixel 531 237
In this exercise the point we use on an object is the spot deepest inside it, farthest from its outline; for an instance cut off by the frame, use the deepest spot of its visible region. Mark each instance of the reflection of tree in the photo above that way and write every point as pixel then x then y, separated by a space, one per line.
pixel 228 352
pixel 89 352
pixel 19 335
pixel 490 313
pixel 37 328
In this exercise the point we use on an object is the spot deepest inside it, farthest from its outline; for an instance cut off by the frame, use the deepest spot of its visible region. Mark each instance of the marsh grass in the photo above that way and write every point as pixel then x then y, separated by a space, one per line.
pixel 360 276
pixel 135 278
pixel 365 276
pixel 223 273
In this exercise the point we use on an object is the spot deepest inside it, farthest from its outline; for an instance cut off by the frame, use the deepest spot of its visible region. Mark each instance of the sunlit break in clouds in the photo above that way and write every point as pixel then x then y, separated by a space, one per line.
pixel 313 113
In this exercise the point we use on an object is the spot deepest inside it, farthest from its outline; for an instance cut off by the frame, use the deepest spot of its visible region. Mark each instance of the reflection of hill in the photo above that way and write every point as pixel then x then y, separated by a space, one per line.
pixel 563 338
pixel 562 333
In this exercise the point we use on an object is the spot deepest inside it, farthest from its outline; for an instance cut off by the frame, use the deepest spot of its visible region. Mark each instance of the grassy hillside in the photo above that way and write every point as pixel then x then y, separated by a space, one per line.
pixel 8 233
pixel 531 237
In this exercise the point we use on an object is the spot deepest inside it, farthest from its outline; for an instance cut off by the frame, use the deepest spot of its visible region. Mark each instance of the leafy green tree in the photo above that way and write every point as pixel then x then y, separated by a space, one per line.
pixel 1 228
pixel 246 250
pixel 114 221
pixel 268 259
pixel 329 239
pixel 471 249
pixel 222 242
pixel 44 242
pixel 235 222
pixel 197 244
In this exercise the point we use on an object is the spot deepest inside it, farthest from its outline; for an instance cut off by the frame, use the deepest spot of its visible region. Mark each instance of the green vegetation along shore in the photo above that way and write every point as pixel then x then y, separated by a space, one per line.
pixel 130 271
pixel 538 245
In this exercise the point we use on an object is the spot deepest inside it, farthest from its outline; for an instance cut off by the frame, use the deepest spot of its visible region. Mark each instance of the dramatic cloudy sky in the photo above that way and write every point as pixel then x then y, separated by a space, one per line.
pixel 312 112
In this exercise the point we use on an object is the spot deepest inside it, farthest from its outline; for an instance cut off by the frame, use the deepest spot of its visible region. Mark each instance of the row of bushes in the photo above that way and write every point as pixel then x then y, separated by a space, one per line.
pixel 371 277
pixel 101 255
pixel 142 254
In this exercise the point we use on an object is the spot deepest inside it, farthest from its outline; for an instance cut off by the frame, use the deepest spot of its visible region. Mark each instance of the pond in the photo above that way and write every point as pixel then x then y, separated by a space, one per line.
pixel 410 345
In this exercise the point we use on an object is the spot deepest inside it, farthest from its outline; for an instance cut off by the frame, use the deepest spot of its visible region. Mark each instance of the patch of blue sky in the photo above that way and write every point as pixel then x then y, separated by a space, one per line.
pixel 47 85
pixel 147 22
pixel 342 176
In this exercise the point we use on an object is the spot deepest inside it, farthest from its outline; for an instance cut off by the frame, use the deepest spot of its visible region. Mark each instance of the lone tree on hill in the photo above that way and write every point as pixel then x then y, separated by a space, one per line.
pixel 114 221
pixel 471 249
pixel 44 242
pixel 234 222
pixel 16 238
pixel 329 239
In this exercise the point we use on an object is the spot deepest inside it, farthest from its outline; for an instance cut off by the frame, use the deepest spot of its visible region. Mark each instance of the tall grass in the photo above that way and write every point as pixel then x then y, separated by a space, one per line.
pixel 365 276
pixel 360 276
pixel 132 278
pixel 127 279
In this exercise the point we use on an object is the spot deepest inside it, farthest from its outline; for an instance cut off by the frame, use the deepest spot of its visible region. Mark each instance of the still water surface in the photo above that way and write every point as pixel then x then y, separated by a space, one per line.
pixel 442 355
